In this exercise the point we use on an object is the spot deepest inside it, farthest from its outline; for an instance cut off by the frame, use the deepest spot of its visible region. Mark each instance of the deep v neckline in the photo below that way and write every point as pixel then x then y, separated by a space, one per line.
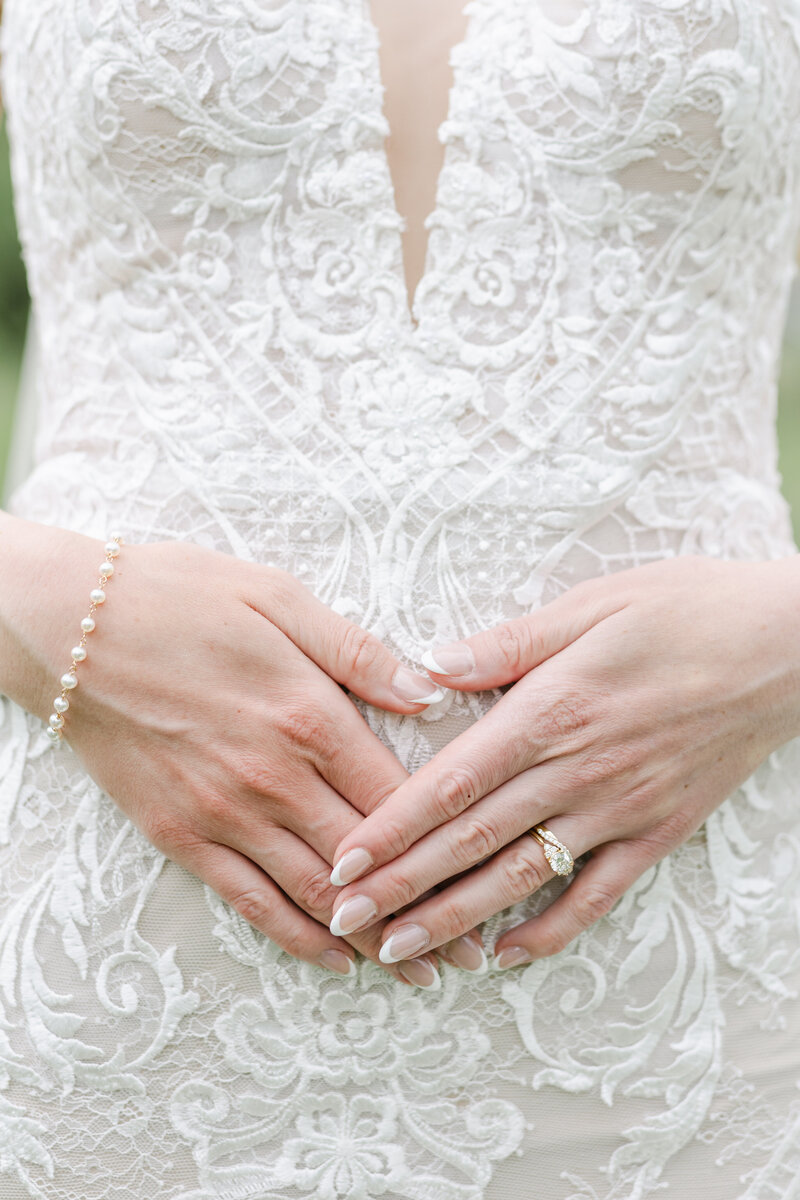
pixel 412 314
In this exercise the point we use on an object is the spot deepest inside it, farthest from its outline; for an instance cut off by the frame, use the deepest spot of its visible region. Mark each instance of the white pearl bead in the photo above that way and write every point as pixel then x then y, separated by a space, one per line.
pixel 68 680
pixel 87 624
pixel 106 569
pixel 97 595
pixel 78 653
pixel 115 537
pixel 61 704
pixel 53 734
pixel 112 549
pixel 56 722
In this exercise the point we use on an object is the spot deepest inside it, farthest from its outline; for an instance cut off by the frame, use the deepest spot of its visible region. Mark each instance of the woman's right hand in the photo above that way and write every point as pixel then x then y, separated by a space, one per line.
pixel 209 709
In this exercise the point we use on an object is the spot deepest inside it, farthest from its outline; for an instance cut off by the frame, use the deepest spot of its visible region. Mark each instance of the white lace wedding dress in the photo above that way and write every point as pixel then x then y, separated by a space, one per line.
pixel 587 383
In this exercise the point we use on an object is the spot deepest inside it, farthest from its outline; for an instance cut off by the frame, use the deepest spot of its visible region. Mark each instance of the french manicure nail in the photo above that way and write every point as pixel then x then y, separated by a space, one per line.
pixel 421 973
pixel 414 688
pixel 468 954
pixel 511 956
pixel 337 960
pixel 350 866
pixel 354 914
pixel 406 941
pixel 456 658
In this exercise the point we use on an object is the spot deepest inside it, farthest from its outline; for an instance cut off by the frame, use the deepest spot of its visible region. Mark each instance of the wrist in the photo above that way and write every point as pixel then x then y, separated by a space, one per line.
pixel 46 570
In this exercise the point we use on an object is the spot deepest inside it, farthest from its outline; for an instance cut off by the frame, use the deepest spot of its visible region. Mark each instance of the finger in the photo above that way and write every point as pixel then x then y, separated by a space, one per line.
pixel 467 952
pixel 510 876
pixel 508 651
pixel 322 723
pixel 355 762
pixel 487 754
pixel 304 876
pixel 459 845
pixel 606 876
pixel 346 652
pixel 243 885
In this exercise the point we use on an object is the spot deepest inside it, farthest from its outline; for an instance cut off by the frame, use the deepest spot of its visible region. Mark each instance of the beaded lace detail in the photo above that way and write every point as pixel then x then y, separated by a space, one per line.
pixel 588 383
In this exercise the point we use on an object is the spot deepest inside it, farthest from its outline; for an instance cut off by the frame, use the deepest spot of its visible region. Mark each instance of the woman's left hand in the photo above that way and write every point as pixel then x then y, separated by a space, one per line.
pixel 644 698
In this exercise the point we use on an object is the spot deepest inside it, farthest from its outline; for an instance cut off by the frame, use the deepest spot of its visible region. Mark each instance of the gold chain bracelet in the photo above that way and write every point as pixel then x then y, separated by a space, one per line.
pixel 69 679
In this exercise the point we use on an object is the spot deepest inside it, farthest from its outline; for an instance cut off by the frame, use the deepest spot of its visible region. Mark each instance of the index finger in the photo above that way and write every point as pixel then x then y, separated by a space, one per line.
pixel 504 742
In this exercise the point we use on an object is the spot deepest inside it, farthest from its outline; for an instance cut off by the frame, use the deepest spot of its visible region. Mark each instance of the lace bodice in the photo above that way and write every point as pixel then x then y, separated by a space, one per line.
pixel 587 381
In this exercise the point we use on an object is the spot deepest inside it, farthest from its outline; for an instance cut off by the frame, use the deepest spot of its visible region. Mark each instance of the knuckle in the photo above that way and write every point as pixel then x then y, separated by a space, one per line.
pixel 402 891
pixel 475 839
pixel 167 831
pixel 314 892
pixel 455 792
pixel 215 809
pixel 672 830
pixel 293 944
pixel 567 715
pixel 604 766
pixel 593 902
pixel 250 772
pixel 360 650
pixel 523 873
pixel 252 905
pixel 393 838
pixel 303 725
pixel 452 919
pixel 514 642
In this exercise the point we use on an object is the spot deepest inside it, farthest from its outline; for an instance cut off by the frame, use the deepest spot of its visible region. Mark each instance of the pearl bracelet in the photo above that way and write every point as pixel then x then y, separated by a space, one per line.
pixel 69 679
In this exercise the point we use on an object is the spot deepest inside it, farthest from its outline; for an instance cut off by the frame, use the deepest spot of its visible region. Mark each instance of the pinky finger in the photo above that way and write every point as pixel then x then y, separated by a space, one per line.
pixel 607 875
pixel 248 889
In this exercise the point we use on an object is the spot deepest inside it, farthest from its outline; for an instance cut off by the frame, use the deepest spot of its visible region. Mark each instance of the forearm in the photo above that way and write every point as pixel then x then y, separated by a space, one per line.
pixel 40 605
pixel 781 625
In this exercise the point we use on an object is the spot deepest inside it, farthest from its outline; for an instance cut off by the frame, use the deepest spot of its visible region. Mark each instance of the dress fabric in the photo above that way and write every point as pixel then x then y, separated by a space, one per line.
pixel 587 383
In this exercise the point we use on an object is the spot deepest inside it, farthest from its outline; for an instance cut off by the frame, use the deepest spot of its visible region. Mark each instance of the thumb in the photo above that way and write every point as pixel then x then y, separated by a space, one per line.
pixel 508 651
pixel 345 651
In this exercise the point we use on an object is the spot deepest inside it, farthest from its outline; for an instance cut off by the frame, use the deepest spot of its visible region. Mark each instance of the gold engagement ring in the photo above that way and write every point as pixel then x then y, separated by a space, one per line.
pixel 555 851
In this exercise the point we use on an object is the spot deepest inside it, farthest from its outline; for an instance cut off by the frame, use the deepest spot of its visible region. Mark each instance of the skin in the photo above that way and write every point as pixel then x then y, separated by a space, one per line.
pixel 209 709
pixel 415 72
pixel 641 700
pixel 219 830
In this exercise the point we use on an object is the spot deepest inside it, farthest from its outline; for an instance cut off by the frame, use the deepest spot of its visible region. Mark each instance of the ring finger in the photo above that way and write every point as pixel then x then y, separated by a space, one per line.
pixel 511 875
pixel 458 845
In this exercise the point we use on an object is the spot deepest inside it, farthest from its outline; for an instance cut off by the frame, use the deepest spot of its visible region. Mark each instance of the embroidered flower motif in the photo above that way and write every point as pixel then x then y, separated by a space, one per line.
pixel 345 1150
pixel 205 261
pixel 618 275
pixel 407 423
pixel 344 1033
pixel 490 283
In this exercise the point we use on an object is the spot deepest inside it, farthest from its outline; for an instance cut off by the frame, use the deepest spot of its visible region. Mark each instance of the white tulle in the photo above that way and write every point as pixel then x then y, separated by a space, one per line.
pixel 225 354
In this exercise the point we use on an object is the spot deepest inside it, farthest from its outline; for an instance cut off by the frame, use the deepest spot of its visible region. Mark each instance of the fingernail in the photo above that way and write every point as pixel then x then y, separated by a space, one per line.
pixel 404 942
pixel 456 658
pixel 337 960
pixel 352 864
pixel 414 688
pixel 354 914
pixel 467 954
pixel 420 972
pixel 511 956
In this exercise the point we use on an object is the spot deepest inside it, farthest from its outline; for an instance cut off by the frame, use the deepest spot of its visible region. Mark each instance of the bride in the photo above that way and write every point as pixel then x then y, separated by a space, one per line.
pixel 399 639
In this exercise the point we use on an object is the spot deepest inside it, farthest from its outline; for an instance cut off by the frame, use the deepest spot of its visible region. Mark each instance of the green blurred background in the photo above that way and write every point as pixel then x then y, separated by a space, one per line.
pixel 14 309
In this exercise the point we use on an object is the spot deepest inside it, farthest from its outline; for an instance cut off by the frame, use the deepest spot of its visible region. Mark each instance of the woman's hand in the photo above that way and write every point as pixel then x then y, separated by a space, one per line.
pixel 209 709
pixel 644 699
